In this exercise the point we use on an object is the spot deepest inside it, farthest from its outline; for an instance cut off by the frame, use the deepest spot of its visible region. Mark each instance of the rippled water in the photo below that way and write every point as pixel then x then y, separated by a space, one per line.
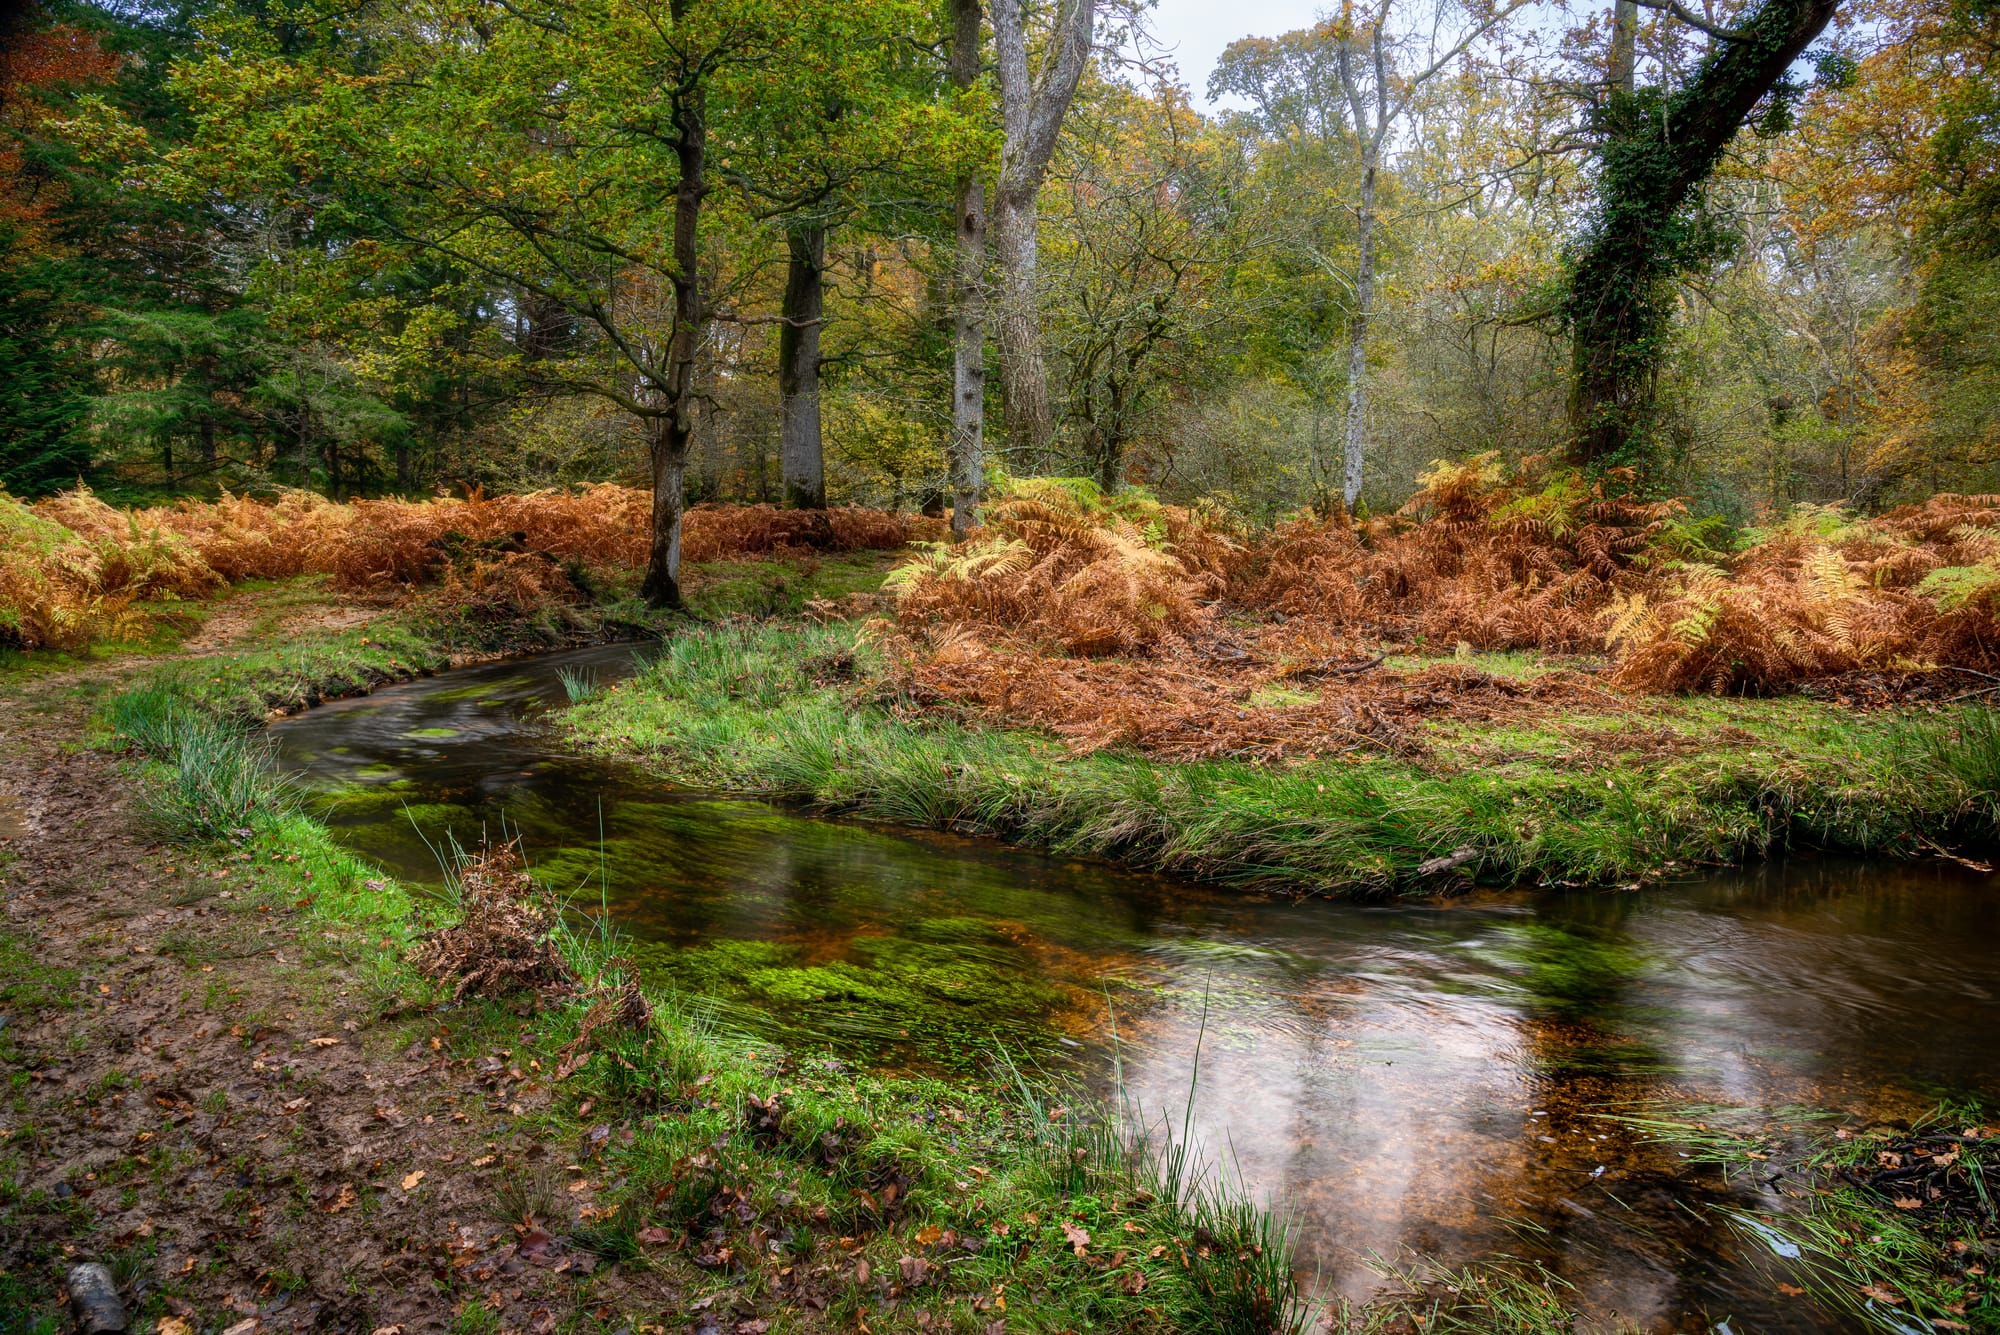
pixel 1421 1077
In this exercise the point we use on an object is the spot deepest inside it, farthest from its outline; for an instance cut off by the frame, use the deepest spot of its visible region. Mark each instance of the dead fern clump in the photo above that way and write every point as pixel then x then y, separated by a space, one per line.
pixel 134 554
pixel 504 940
pixel 240 538
pixel 1058 561
pixel 1501 559
pixel 372 544
pixel 51 585
pixel 1823 594
pixel 724 532
pixel 482 587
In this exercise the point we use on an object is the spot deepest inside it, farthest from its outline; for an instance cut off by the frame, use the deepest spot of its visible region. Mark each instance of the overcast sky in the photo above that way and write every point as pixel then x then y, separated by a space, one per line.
pixel 1199 29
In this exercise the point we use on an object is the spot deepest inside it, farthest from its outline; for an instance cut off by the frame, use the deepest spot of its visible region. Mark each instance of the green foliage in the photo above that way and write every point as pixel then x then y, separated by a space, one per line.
pixel 44 376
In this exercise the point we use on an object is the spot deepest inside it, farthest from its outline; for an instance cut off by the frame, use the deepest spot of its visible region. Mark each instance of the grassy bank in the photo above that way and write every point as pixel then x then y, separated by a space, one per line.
pixel 1638 788
pixel 708 1171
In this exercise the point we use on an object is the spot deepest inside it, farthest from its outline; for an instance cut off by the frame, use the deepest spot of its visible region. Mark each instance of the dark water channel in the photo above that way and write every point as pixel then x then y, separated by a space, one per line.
pixel 1405 1078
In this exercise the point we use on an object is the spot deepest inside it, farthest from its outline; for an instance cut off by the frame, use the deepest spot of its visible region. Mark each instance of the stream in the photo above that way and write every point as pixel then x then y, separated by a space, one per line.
pixel 1404 1078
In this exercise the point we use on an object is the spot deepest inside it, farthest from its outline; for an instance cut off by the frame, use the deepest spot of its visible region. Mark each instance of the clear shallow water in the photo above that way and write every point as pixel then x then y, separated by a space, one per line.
pixel 1408 1077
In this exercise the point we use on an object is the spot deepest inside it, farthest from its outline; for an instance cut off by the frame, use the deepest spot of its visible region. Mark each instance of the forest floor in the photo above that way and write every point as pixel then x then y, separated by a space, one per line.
pixel 230 1078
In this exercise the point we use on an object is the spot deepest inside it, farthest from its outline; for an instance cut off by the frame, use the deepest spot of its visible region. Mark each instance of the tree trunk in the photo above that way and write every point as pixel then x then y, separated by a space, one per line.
pixel 1624 46
pixel 1024 377
pixel 968 363
pixel 967 459
pixel 1031 115
pixel 663 563
pixel 1653 163
pixel 670 430
pixel 1357 329
pixel 799 449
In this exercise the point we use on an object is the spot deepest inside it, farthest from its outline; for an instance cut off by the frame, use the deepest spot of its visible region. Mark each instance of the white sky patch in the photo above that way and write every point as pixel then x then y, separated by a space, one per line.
pixel 1196 31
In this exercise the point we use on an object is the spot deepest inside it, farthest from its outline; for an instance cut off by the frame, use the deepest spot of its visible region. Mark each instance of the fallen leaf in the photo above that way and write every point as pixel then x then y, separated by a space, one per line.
pixel 1791 1291
pixel 1134 1226
pixel 1908 1203
pixel 861 1271
pixel 410 1182
pixel 173 1325
pixel 482 1161
pixel 928 1234
pixel 342 1199
pixel 1079 1237
pixel 247 1327
pixel 1875 1291
pixel 1133 1281
pixel 915 1269
pixel 654 1237
pixel 326 1042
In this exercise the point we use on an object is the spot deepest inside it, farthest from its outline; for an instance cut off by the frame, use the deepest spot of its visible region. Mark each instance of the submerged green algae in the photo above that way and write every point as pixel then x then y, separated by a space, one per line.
pixel 945 995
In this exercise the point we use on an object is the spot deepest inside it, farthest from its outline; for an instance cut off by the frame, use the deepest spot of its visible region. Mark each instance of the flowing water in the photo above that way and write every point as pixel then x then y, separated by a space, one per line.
pixel 1405 1078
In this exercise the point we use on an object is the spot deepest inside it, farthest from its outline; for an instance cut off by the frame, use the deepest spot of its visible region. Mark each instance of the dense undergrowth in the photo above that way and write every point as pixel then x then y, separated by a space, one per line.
pixel 812 714
pixel 1485 555
pixel 784 1179
pixel 74 570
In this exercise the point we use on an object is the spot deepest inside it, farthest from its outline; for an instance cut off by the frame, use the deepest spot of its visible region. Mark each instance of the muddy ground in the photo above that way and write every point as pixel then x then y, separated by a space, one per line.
pixel 202 1095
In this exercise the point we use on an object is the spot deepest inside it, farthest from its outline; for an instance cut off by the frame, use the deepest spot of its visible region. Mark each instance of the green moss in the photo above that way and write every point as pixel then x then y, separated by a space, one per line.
pixel 939 994
pixel 774 588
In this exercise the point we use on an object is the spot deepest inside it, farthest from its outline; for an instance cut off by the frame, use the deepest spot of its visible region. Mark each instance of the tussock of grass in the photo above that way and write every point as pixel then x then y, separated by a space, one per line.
pixel 759 709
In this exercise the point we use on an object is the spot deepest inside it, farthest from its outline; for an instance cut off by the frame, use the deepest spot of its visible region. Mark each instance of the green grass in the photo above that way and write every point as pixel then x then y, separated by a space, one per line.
pixel 801 713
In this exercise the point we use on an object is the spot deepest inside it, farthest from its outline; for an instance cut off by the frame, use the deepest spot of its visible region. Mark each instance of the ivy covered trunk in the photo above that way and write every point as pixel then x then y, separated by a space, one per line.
pixel 1657 151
